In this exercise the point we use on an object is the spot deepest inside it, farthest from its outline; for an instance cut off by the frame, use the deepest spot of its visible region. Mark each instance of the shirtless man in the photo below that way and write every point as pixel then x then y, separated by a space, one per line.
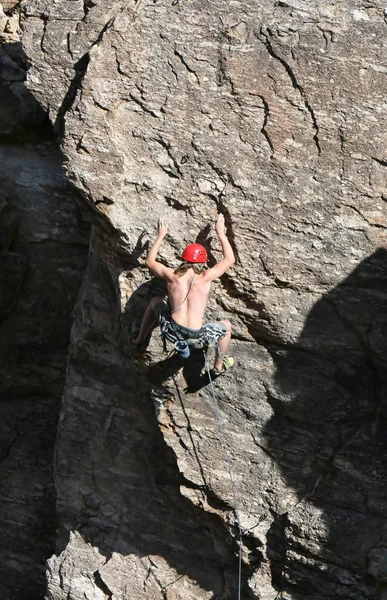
pixel 188 287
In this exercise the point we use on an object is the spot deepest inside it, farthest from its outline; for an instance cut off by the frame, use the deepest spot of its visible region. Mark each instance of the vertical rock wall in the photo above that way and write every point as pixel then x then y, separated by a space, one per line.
pixel 274 114
pixel 44 246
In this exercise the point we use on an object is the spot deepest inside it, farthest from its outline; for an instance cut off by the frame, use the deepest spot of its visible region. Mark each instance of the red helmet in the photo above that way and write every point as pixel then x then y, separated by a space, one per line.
pixel 195 253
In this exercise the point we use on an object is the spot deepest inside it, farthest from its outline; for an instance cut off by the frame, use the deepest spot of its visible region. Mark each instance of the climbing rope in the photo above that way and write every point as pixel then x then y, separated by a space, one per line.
pixel 236 510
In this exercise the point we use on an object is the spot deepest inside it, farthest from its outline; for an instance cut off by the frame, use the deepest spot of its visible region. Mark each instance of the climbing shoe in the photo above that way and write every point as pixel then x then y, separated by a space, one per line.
pixel 228 362
pixel 134 331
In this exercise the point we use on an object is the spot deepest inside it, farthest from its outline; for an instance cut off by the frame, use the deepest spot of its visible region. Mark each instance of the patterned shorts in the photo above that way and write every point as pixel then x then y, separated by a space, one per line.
pixel 195 338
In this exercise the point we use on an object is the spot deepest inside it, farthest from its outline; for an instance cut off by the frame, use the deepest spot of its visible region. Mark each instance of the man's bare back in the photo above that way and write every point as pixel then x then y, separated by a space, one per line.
pixel 191 312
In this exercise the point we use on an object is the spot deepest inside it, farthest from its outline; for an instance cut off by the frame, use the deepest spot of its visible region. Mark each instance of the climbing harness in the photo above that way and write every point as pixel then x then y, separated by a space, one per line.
pixel 236 509
pixel 180 344
pixel 184 338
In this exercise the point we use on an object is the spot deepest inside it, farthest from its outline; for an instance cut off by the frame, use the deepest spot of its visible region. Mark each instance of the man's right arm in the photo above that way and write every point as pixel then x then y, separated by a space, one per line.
pixel 228 254
pixel 156 267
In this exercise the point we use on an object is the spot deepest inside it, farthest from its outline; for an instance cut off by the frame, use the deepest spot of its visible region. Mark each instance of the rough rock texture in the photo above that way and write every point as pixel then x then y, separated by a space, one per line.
pixel 274 114
pixel 44 247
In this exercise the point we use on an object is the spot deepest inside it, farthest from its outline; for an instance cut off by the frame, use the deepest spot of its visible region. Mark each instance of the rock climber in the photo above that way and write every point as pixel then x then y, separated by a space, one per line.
pixel 188 287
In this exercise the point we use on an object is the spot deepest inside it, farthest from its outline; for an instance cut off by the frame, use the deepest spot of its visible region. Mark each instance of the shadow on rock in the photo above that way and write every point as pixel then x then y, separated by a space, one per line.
pixel 116 480
pixel 119 486
pixel 44 248
pixel 22 119
pixel 193 370
pixel 328 435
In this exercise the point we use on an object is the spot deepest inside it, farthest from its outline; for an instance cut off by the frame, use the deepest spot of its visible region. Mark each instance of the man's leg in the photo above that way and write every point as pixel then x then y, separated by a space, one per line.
pixel 223 346
pixel 148 322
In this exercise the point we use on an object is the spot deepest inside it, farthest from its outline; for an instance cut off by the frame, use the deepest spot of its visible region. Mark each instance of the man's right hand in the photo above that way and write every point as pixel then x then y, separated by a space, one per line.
pixel 151 260
pixel 220 227
pixel 162 228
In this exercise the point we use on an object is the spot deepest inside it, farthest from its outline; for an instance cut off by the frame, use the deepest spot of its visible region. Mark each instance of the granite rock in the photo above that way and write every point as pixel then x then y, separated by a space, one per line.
pixel 274 115
pixel 44 246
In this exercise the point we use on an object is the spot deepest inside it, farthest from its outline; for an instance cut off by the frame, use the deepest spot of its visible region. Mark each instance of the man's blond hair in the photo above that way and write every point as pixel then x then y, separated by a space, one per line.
pixel 197 267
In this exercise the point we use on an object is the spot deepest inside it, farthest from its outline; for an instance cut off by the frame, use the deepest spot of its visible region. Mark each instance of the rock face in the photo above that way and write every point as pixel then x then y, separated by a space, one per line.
pixel 272 113
pixel 43 254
